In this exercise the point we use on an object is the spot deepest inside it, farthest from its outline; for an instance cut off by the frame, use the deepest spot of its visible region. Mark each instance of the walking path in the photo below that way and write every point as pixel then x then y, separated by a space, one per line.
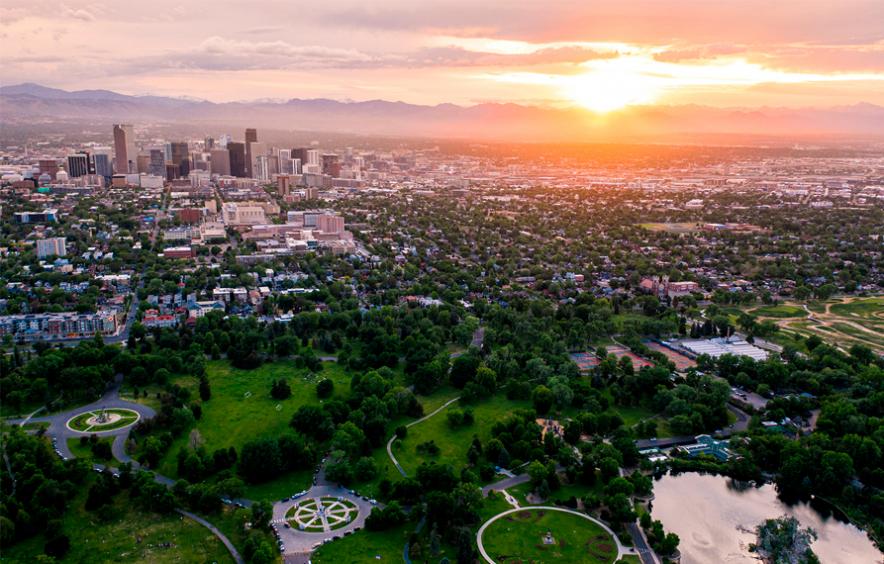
pixel 232 549
pixel 415 422
pixel 621 550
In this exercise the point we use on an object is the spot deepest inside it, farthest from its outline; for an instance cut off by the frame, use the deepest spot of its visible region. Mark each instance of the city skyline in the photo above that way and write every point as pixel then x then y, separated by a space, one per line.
pixel 602 58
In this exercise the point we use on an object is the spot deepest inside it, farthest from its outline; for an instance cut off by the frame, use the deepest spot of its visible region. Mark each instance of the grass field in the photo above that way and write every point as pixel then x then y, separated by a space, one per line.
pixel 683 227
pixel 241 410
pixel 518 537
pixel 364 546
pixel 780 310
pixel 453 443
pixel 842 322
pixel 85 452
pixel 122 533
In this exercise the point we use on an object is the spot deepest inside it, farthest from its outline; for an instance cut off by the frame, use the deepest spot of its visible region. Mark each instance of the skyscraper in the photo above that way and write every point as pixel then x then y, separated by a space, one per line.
pixel 300 153
pixel 80 165
pixel 237 153
pixel 251 137
pixel 220 161
pixel 157 162
pixel 103 162
pixel 181 157
pixel 124 148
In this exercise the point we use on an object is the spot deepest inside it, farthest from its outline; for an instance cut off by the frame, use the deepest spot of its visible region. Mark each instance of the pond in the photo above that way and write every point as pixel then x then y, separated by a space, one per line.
pixel 715 518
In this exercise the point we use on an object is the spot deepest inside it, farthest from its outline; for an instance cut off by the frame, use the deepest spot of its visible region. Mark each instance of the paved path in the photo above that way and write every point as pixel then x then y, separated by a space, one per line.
pixel 415 422
pixel 645 553
pixel 621 550
pixel 232 549
pixel 506 483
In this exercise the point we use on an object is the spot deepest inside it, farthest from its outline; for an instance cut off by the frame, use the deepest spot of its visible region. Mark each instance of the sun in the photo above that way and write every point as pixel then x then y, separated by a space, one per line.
pixel 611 85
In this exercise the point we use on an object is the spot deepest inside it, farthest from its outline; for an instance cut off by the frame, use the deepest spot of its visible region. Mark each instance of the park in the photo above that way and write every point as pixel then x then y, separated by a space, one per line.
pixel 547 534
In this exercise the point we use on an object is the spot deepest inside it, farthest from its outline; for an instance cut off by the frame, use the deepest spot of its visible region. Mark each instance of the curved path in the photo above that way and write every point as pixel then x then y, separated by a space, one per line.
pixel 621 551
pixel 415 422
pixel 232 549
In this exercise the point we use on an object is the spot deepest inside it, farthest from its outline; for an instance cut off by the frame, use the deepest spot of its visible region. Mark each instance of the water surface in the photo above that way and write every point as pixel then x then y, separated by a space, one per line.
pixel 715 518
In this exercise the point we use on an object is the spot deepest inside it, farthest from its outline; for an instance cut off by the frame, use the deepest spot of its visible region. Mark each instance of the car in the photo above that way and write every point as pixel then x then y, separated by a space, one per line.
pixel 282 548
pixel 286 525
pixel 373 501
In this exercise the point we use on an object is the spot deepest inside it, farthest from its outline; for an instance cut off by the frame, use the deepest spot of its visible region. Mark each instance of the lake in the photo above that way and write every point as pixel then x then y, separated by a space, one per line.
pixel 715 518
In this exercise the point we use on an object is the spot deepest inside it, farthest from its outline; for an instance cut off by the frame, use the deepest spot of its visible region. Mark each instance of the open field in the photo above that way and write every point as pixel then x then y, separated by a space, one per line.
pixel 241 408
pixel 365 546
pixel 843 322
pixel 519 537
pixel 683 227
pixel 121 533
pixel 453 443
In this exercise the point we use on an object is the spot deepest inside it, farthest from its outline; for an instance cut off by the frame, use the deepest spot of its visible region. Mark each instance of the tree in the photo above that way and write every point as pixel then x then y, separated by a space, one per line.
pixel 261 513
pixel 260 460
pixel 543 399
pixel 280 389
pixel 325 388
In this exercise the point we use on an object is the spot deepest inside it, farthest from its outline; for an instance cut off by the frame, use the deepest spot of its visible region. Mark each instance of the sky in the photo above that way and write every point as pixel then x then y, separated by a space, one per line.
pixel 601 55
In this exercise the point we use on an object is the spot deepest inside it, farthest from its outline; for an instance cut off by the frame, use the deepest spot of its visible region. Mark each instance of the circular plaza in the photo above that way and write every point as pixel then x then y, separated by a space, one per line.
pixel 101 420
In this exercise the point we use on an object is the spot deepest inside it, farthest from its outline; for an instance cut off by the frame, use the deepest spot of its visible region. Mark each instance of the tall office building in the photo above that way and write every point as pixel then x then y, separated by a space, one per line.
pixel 251 137
pixel 80 165
pixel 300 153
pixel 103 162
pixel 237 152
pixel 124 148
pixel 312 157
pixel 220 161
pixel 157 165
pixel 209 144
pixel 181 157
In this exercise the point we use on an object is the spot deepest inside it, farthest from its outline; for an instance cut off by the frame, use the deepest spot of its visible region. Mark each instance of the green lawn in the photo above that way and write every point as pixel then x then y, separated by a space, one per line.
pixel 565 492
pixel 519 538
pixel 453 443
pixel 780 310
pixel 365 546
pixel 122 533
pixel 867 307
pixel 85 452
pixel 241 408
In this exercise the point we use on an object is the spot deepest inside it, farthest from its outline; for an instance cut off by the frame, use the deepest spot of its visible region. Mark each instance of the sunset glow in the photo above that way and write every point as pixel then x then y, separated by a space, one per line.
pixel 601 56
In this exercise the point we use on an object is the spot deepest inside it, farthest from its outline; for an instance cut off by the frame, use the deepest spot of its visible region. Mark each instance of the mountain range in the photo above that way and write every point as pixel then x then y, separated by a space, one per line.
pixel 27 102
